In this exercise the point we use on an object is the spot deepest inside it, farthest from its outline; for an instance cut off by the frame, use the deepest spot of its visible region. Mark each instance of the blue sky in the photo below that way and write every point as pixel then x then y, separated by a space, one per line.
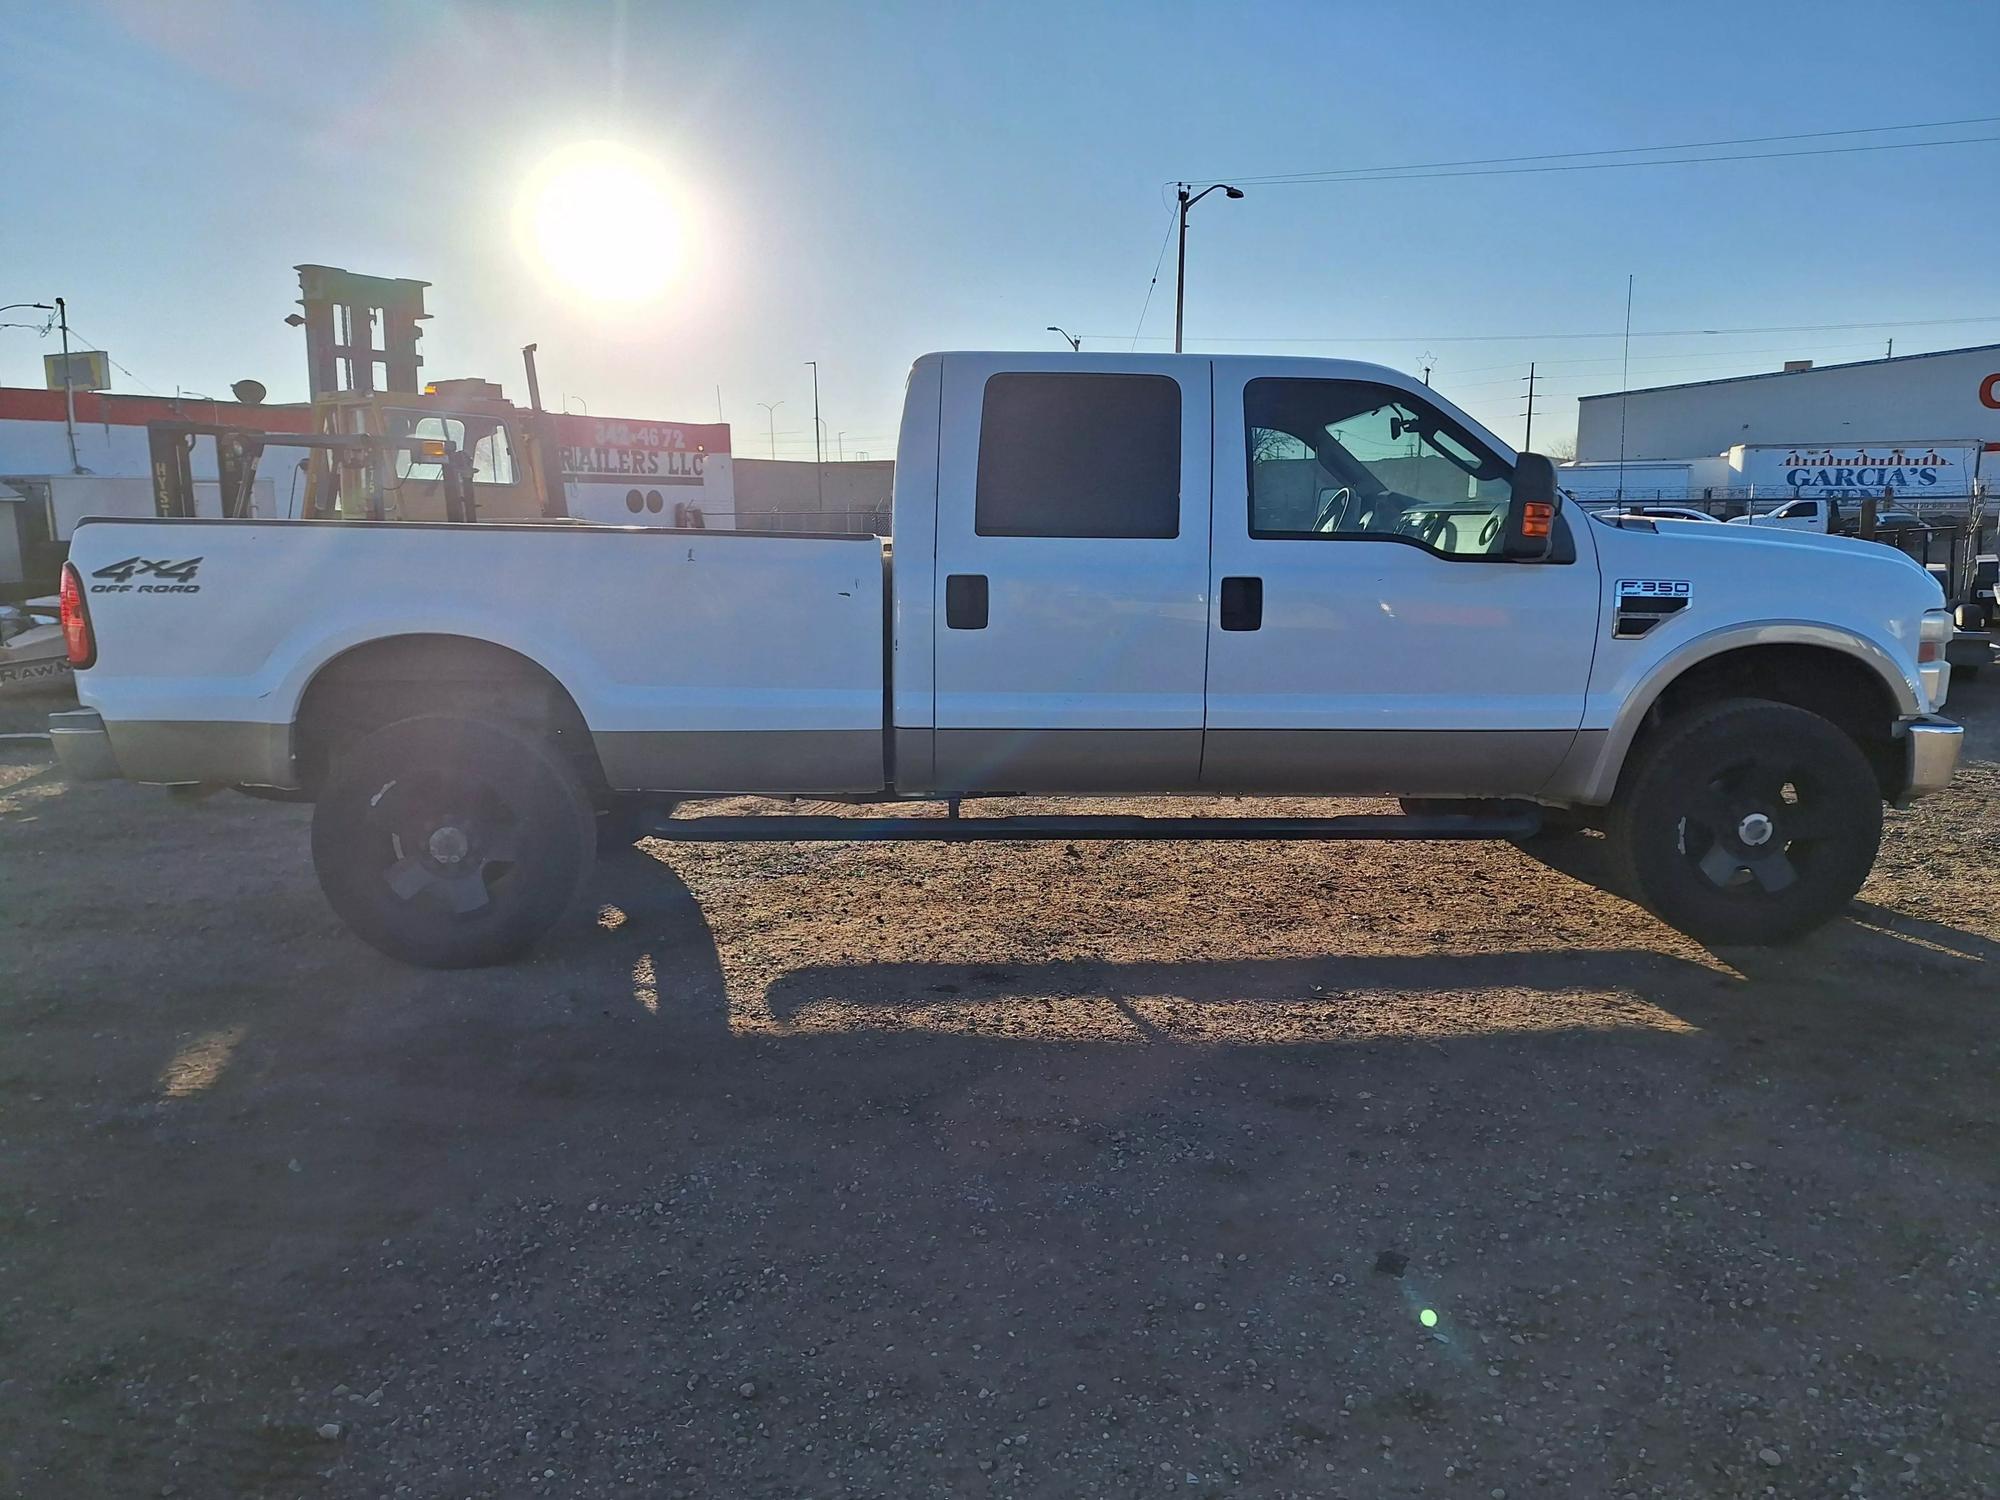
pixel 862 184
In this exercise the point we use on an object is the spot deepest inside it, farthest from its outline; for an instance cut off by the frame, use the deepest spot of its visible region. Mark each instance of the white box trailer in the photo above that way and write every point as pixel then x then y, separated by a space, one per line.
pixel 39 511
pixel 1598 485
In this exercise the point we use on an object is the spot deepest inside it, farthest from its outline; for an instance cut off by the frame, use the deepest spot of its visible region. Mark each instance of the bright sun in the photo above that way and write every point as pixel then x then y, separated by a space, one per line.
pixel 601 219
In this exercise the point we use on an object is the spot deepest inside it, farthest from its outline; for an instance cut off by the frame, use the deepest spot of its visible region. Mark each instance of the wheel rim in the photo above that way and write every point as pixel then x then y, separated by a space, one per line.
pixel 447 847
pixel 1753 828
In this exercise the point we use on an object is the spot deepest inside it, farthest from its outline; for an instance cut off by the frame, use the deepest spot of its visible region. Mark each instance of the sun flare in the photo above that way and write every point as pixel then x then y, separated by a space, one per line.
pixel 602 221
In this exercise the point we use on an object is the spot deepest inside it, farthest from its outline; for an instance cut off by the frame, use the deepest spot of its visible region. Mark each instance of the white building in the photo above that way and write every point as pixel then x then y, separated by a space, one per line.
pixel 1914 402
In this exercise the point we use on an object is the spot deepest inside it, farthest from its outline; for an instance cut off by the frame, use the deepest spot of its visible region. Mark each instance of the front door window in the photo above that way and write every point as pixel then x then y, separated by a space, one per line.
pixel 1350 460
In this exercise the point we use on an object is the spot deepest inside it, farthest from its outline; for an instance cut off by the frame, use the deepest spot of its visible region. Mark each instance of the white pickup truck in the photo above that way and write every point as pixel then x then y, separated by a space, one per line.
pixel 1109 575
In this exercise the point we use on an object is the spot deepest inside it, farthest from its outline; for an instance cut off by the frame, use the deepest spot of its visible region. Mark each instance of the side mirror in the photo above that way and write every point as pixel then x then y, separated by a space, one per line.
pixel 1531 513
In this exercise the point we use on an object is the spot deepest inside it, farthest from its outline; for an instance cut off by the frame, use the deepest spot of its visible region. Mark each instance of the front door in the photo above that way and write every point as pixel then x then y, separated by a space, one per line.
pixel 1367 636
pixel 1072 575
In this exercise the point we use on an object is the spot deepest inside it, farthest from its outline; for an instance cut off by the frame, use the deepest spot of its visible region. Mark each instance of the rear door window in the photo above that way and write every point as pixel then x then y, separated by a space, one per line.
pixel 1079 455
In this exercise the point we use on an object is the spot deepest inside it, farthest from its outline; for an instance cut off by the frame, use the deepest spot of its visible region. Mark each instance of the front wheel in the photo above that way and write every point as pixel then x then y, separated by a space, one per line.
pixel 450 842
pixel 1747 822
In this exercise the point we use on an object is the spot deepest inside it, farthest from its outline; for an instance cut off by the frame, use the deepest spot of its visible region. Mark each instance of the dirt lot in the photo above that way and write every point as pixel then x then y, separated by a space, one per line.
pixel 993 1170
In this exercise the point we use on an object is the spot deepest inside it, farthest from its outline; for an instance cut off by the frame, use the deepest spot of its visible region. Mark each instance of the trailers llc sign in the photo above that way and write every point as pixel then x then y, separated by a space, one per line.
pixel 1855 473
pixel 615 452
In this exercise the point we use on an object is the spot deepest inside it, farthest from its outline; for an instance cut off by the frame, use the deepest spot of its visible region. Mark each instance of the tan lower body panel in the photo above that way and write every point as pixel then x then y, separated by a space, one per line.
pixel 777 761
pixel 1065 762
pixel 1383 762
pixel 177 751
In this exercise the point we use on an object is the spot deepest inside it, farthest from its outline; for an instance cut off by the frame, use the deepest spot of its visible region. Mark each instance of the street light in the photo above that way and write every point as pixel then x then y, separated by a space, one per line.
pixel 1182 191
pixel 1075 343
pixel 771 416
pixel 819 456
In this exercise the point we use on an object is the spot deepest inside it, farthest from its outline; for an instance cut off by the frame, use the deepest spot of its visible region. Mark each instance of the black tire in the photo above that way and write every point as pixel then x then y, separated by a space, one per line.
pixel 1747 822
pixel 450 842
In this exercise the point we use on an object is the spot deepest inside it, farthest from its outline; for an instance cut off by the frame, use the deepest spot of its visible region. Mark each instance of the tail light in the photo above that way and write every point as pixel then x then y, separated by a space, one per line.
pixel 78 637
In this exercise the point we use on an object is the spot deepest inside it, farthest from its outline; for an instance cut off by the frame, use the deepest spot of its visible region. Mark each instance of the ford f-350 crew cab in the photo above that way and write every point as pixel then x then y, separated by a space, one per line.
pixel 1110 575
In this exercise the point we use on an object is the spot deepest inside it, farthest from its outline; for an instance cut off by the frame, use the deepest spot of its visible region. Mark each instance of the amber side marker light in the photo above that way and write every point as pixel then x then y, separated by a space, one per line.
pixel 1933 634
pixel 79 640
pixel 1537 518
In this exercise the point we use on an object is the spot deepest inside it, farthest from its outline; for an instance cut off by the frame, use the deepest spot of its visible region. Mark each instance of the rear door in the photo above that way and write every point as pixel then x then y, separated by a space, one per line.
pixel 1071 587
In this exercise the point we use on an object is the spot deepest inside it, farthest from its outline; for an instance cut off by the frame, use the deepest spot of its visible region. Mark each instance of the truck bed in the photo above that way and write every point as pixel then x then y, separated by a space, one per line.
pixel 699 660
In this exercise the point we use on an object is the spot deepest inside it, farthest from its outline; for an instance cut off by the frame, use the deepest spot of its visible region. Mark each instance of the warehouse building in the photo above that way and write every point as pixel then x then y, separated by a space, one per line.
pixel 1913 401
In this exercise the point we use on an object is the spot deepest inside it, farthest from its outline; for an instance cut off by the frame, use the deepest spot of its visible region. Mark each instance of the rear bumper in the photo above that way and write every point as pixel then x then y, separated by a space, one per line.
pixel 83 745
pixel 1931 755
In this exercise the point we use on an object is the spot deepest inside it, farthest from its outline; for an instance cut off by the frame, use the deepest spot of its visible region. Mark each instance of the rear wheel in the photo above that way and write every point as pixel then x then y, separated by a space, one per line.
pixel 1747 822
pixel 452 842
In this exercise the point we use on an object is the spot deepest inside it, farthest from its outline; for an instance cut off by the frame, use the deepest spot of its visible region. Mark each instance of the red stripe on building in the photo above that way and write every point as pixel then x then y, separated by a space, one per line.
pixel 98 408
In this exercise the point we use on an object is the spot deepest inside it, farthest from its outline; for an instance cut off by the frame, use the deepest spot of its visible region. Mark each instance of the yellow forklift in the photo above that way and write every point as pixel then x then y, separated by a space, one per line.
pixel 378 449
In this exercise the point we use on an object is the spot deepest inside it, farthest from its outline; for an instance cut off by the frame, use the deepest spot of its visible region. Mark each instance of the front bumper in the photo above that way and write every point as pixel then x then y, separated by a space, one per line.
pixel 83 745
pixel 1931 755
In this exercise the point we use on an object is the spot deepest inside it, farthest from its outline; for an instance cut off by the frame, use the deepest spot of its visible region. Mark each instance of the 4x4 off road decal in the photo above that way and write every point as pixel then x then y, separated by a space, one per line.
pixel 171 577
pixel 1642 603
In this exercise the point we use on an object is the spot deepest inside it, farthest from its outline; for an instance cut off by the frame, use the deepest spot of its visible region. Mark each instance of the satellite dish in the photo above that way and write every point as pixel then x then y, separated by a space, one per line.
pixel 249 392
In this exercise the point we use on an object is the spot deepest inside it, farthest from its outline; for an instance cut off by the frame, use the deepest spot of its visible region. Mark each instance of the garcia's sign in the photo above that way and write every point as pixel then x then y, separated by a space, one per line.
pixel 1854 473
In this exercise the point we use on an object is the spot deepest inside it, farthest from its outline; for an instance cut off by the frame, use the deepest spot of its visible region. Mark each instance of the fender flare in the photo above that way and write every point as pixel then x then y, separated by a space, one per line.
pixel 1589 775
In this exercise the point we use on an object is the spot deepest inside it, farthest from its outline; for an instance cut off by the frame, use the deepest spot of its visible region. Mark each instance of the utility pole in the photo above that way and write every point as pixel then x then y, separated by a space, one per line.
pixel 771 415
pixel 1528 433
pixel 1892 350
pixel 61 311
pixel 1430 361
pixel 69 390
pixel 819 457
pixel 1183 191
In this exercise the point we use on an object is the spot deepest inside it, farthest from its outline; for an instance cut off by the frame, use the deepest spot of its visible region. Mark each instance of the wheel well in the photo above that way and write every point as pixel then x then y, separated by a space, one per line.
pixel 400 677
pixel 1838 687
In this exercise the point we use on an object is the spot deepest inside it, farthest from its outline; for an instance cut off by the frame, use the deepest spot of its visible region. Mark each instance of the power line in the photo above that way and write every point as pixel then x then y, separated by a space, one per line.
pixel 1158 261
pixel 1519 338
pixel 1612 359
pixel 1338 173
pixel 1386 175
pixel 85 338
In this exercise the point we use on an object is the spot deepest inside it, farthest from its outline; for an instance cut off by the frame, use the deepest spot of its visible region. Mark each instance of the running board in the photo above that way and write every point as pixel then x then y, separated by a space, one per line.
pixel 785 828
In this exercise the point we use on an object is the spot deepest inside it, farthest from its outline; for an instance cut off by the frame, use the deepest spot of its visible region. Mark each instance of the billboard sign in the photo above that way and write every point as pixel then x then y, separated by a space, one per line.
pixel 89 370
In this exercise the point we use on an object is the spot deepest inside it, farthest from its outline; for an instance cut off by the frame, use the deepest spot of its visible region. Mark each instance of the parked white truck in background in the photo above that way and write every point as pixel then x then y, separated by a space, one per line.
pixel 1112 575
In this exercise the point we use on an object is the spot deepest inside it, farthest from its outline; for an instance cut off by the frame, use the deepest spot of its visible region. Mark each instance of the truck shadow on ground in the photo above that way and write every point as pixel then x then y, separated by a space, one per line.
pixel 652 935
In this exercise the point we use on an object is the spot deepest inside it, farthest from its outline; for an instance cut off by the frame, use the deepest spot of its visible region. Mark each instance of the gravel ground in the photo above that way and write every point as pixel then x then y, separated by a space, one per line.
pixel 1107 1169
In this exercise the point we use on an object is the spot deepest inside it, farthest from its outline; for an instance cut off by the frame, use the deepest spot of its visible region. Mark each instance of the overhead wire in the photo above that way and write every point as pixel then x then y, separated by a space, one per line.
pixel 1383 173
pixel 1516 338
